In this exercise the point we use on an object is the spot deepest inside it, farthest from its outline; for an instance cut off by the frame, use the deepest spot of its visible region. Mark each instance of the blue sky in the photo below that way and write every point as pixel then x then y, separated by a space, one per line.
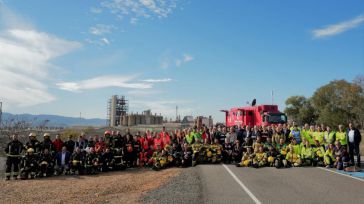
pixel 67 57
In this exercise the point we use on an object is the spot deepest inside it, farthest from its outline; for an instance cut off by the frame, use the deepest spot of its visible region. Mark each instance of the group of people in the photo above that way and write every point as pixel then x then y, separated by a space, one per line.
pixel 281 145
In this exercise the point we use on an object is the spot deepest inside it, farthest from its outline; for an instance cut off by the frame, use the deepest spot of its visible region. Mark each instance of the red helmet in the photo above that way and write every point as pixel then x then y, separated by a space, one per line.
pixel 107 132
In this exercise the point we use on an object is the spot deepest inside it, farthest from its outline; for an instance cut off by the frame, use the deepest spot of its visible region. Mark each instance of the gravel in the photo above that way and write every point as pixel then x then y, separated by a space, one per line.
pixel 184 188
pixel 114 187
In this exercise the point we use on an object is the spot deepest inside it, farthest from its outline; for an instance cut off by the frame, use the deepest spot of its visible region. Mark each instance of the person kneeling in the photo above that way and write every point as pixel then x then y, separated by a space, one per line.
pixel 62 161
pixel 247 158
pixel 293 159
pixel 260 159
pixel 28 165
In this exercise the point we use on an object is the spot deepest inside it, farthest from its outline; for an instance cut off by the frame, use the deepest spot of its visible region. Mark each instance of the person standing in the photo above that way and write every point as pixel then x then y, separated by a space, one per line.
pixel 354 139
pixel 13 151
pixel 231 135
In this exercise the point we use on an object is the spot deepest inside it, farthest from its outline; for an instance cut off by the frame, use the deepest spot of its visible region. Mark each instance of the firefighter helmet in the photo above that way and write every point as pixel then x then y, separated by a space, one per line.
pixel 32 134
pixel 30 150
pixel 209 154
pixel 46 135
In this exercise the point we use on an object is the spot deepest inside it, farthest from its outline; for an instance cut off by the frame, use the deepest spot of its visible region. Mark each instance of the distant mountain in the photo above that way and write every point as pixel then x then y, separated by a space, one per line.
pixel 52 120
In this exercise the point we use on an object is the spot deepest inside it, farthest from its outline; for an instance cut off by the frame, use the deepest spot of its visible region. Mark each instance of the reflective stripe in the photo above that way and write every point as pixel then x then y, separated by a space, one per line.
pixel 7 174
pixel 9 155
pixel 15 173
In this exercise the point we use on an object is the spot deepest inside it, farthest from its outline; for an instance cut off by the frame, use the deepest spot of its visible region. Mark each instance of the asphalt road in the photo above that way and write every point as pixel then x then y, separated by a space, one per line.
pixel 216 184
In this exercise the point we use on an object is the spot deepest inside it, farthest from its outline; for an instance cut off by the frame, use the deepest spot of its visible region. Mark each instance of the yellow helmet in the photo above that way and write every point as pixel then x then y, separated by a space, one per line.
pixel 246 163
pixel 74 162
pixel 162 162
pixel 32 134
pixel 46 135
pixel 209 154
pixel 270 159
pixel 30 150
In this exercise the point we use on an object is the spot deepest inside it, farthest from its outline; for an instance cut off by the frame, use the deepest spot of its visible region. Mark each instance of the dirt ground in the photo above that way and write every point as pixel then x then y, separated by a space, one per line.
pixel 114 187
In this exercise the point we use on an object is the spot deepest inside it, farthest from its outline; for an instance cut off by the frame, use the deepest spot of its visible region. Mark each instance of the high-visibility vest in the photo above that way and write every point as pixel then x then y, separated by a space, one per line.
pixel 341 136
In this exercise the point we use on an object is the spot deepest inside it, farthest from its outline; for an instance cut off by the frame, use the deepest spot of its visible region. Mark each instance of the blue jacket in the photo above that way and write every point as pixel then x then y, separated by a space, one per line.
pixel 59 158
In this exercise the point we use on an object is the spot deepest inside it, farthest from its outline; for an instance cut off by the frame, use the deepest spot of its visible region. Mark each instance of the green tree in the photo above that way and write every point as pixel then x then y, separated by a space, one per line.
pixel 300 110
pixel 337 102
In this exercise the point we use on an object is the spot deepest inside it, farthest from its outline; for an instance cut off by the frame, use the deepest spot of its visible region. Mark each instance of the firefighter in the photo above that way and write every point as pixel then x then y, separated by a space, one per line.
pixel 307 154
pixel 268 143
pixel 282 152
pixel 70 144
pixel 13 151
pixel 247 158
pixel 296 147
pixel 186 156
pixel 118 141
pixel 257 144
pixel 216 150
pixel 33 143
pixel 237 152
pixel 293 158
pixel 47 144
pixel 137 146
pixel 271 155
pixel 329 137
pixel 341 156
pixel 196 150
pixel 46 164
pixel 77 162
pixel 227 151
pixel 329 157
pixel 318 154
pixel 159 159
pixel 92 163
pixel 341 136
pixel 107 160
pixel 129 151
pixel 176 153
pixel 260 159
pixel 108 137
pixel 28 165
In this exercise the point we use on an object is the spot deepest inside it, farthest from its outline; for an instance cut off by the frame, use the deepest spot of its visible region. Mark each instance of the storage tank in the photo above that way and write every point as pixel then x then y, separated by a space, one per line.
pixel 125 120
pixel 131 120
pixel 137 119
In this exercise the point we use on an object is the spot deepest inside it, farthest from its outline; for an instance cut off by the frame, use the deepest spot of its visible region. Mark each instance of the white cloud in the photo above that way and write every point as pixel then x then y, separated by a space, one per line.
pixel 134 9
pixel 101 29
pixel 25 64
pixel 104 82
pixel 133 21
pixel 100 42
pixel 157 80
pixel 143 93
pixel 96 10
pixel 338 28
pixel 186 58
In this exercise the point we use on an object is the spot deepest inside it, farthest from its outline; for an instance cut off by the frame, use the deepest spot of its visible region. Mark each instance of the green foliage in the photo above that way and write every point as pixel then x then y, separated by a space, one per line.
pixel 300 109
pixel 70 132
pixel 338 102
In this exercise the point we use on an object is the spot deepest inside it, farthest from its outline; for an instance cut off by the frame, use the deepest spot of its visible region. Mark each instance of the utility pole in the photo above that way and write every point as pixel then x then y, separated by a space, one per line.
pixel 176 113
pixel 1 114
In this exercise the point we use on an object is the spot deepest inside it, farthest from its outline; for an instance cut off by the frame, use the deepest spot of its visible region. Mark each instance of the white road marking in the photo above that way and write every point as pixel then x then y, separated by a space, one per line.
pixel 359 179
pixel 252 196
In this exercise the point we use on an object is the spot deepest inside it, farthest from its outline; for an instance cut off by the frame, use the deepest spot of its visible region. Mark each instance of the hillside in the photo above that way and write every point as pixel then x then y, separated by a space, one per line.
pixel 53 120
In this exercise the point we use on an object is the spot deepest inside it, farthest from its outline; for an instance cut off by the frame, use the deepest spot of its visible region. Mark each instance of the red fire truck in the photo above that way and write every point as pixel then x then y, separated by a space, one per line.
pixel 254 115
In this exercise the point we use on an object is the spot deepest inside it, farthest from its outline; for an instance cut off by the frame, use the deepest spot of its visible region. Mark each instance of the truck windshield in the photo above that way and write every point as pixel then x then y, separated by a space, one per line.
pixel 277 118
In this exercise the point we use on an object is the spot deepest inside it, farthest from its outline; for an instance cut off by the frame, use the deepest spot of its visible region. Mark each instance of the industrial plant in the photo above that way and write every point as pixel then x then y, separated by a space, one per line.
pixel 118 114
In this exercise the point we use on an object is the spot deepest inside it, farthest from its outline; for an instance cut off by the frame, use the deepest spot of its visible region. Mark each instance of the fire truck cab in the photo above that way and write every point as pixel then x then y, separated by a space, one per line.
pixel 254 115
